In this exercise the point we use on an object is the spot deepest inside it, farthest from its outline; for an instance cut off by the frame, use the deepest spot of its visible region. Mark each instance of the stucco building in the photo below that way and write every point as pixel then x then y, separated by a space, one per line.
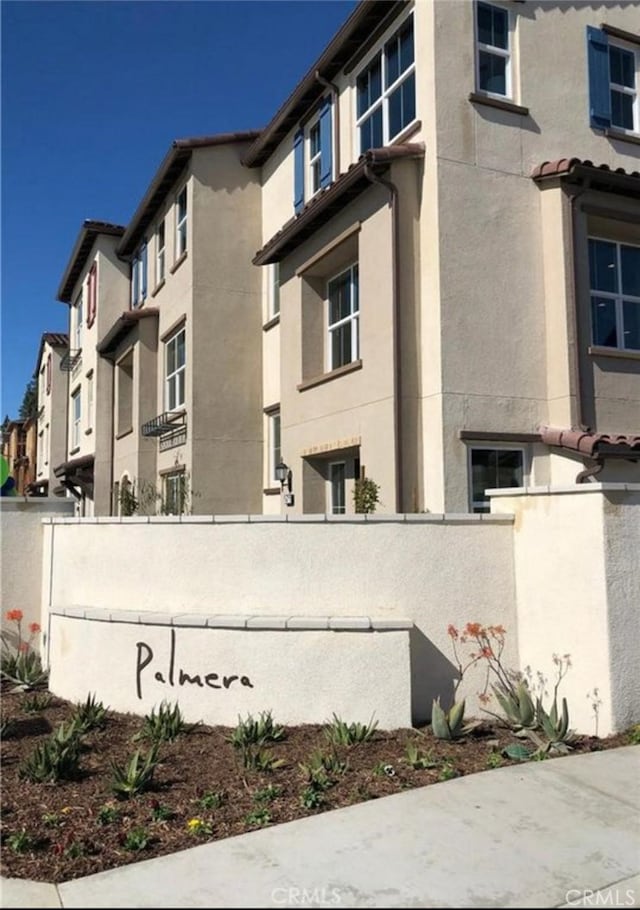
pixel 51 384
pixel 451 256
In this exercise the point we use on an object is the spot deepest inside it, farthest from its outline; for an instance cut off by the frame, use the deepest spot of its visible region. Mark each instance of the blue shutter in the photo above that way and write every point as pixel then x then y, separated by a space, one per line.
pixel 326 144
pixel 599 91
pixel 143 256
pixel 134 282
pixel 298 171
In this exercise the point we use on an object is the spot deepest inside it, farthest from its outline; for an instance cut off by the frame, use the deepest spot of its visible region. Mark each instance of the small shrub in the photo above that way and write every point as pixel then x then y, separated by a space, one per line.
pixel 260 759
pixel 366 495
pixel 211 800
pixel 494 760
pixel 136 776
pixel 34 704
pixel 21 841
pixel 107 815
pixel 317 768
pixel 267 794
pixel 198 827
pixel 52 820
pixel 447 772
pixel 340 733
pixel 57 758
pixel 136 839
pixel 258 818
pixel 165 724
pixel 417 759
pixel 311 798
pixel 252 732
pixel 89 715
pixel 160 813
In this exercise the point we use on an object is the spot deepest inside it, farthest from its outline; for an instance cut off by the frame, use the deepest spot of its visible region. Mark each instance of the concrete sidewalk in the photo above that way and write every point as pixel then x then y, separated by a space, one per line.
pixel 560 833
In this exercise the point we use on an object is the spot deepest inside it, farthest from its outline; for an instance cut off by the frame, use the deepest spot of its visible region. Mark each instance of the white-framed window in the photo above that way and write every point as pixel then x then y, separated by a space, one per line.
pixel 139 276
pixel 313 155
pixel 175 371
pixel 493 50
pixel 386 90
pixel 77 317
pixel 275 451
pixel 181 222
pixel 42 386
pixel 76 418
pixel 493 468
pixel 337 487
pixel 343 302
pixel 160 253
pixel 46 444
pixel 174 493
pixel 624 78
pixel 614 281
pixel 273 289
pixel 90 400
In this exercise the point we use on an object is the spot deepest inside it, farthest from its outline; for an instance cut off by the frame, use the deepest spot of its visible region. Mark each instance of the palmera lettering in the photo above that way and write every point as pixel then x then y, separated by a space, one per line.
pixel 144 657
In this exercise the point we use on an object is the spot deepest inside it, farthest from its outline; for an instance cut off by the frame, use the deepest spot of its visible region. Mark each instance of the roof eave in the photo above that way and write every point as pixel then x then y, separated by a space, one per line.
pixel 86 238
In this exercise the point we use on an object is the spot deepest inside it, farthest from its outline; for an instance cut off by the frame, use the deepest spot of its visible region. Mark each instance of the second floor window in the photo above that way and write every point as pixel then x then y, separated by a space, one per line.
pixel 386 91
pixel 78 323
pixel 344 314
pixel 614 78
pixel 313 156
pixel 493 54
pixel 175 370
pixel 273 290
pixel 160 253
pixel 181 223
pixel 92 295
pixel 614 270
pixel 76 418
pixel 139 277
pixel 624 64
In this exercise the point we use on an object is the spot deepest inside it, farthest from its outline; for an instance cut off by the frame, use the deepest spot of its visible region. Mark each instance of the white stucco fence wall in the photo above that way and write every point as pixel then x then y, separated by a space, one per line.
pixel 425 570
pixel 577 576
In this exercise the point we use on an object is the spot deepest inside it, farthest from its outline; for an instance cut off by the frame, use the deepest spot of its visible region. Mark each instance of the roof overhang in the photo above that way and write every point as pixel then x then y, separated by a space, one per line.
pixel 367 17
pixel 83 246
pixel 593 445
pixel 578 172
pixel 332 200
pixel 121 328
pixel 165 178
pixel 76 475
pixel 56 340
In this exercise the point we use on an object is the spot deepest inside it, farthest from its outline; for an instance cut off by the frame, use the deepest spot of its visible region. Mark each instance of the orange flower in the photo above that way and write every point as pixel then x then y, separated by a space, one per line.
pixel 14 615
pixel 486 652
pixel 474 629
pixel 452 631
pixel 34 628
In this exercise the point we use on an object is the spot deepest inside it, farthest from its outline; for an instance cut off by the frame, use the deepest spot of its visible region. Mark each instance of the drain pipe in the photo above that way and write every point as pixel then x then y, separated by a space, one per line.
pixel 397 416
pixel 336 123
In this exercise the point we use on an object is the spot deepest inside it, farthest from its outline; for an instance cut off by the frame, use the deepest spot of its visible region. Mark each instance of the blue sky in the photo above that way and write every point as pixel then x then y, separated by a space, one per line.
pixel 93 94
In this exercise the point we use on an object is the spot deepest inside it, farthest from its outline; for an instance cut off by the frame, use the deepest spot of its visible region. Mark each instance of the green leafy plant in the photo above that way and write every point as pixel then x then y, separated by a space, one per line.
pixel 366 495
pixel 448 772
pixel 449 724
pixel 52 820
pixel 211 800
pixel 57 758
pixel 36 703
pixel 417 759
pixel 199 827
pixel 252 731
pixel 107 815
pixel 320 764
pixel 21 841
pixel 136 839
pixel 137 775
pixel 258 818
pixel 494 760
pixel 254 759
pixel 311 798
pixel 160 813
pixel 19 662
pixel 127 499
pixel 267 794
pixel 165 724
pixel 89 715
pixel 634 735
pixel 517 752
pixel 340 733
pixel 7 728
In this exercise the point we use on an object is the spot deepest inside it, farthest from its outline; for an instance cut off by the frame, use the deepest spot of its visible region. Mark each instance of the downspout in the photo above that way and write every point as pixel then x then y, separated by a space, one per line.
pixel 336 131
pixel 397 416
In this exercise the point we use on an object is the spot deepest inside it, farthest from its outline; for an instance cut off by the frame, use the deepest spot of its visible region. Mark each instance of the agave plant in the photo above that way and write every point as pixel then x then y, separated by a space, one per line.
pixel 137 775
pixel 518 706
pixel 450 724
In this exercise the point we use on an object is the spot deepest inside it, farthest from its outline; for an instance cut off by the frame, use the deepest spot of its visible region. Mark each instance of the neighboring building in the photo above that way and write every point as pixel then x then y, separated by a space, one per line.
pixel 184 344
pixel 94 285
pixel 52 413
pixel 19 448
pixel 452 301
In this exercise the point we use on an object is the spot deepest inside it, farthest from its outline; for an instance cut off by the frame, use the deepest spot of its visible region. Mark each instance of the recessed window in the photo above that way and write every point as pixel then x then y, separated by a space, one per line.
pixel 623 76
pixel 181 222
pixel 386 91
pixel 493 52
pixel 77 315
pixel 343 318
pixel 493 469
pixel 614 280
pixel 92 295
pixel 337 487
pixel 76 418
pixel 275 453
pixel 139 277
pixel 90 401
pixel 125 393
pixel 313 155
pixel 175 371
pixel 174 493
pixel 160 253
pixel 273 289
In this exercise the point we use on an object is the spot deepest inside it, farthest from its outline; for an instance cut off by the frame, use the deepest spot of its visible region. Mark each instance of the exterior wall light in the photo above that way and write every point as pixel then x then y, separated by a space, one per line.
pixel 283 474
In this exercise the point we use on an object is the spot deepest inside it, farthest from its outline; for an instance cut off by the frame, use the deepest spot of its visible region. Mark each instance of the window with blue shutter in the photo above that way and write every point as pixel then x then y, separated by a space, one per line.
pixel 599 92
pixel 298 171
pixel 143 258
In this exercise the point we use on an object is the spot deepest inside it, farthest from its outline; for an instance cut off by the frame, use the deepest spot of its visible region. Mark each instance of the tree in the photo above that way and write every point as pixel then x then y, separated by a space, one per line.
pixel 29 406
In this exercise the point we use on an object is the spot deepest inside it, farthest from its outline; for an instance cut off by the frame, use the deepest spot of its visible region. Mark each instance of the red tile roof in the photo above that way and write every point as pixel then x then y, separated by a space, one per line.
pixel 56 340
pixel 121 327
pixel 592 444
pixel 563 166
pixel 88 232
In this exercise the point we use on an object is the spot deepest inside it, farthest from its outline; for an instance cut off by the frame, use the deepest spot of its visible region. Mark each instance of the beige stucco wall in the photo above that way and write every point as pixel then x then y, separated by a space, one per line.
pixel 271 567
pixel 52 415
pixel 577 582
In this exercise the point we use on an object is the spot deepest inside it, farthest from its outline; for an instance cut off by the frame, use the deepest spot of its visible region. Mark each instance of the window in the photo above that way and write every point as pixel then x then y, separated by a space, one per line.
pixel 337 487
pixel 77 315
pixel 493 55
pixel 175 370
pixel 92 302
pixel 614 76
pixel 46 444
pixel 40 452
pixel 139 277
pixel 313 156
pixel 44 383
pixel 160 253
pixel 76 417
pixel 275 454
pixel 386 91
pixel 90 401
pixel 181 222
pixel 174 490
pixel 273 289
pixel 344 312
pixel 493 469
pixel 614 280
pixel 125 393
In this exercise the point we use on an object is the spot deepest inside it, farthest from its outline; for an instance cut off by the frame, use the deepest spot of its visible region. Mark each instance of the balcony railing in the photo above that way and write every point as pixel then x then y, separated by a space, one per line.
pixel 167 422
pixel 70 360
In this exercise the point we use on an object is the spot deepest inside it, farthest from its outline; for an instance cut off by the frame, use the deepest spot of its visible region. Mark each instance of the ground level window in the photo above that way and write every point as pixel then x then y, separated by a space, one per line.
pixel 173 493
pixel 493 469
pixel 337 487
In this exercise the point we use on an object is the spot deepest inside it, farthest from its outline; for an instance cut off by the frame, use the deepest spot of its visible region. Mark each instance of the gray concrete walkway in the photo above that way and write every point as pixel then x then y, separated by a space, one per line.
pixel 561 833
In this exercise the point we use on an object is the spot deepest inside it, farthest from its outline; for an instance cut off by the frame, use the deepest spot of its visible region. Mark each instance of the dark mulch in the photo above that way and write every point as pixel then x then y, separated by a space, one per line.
pixel 64 826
